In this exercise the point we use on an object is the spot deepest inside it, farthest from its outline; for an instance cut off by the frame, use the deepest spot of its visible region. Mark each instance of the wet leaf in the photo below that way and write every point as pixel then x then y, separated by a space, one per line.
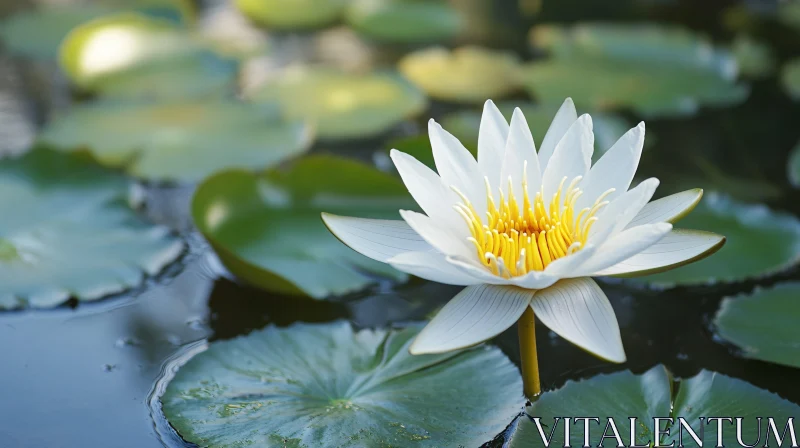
pixel 466 74
pixel 790 77
pixel 623 396
pixel 341 105
pixel 267 228
pixel 178 140
pixel 67 231
pixel 759 242
pixel 653 70
pixel 764 324
pixel 330 386
pixel 292 14
pixel 404 21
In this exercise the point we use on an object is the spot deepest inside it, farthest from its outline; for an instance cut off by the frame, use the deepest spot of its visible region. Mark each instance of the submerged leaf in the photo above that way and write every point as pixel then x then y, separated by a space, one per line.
pixel 330 386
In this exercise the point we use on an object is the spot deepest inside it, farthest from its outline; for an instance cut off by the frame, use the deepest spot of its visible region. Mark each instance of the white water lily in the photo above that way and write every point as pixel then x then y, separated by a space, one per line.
pixel 522 228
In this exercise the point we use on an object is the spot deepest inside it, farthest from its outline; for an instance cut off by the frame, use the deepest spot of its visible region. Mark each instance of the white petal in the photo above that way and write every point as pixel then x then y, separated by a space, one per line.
pixel 615 169
pixel 492 142
pixel 555 271
pixel 431 266
pixel 456 166
pixel 668 209
pixel 534 280
pixel 520 150
pixel 378 239
pixel 442 238
pixel 426 187
pixel 476 314
pixel 623 246
pixel 578 311
pixel 678 248
pixel 564 118
pixel 618 214
pixel 572 156
pixel 473 268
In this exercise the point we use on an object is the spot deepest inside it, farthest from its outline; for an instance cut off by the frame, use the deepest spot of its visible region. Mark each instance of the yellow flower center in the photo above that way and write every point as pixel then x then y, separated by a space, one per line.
pixel 522 237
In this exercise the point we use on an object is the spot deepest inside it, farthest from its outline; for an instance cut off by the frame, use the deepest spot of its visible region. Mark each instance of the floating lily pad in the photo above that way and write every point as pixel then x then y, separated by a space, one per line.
pixel 267 229
pixel 793 168
pixel 292 14
pixel 789 13
pixel 344 106
pixel 178 140
pixel 760 242
pixel 404 21
pixel 132 55
pixel 764 324
pixel 623 396
pixel 327 386
pixel 67 231
pixel 790 77
pixel 755 58
pixel 466 74
pixel 653 70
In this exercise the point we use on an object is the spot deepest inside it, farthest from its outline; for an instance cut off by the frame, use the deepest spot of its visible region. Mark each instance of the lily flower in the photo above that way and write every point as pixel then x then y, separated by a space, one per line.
pixel 526 230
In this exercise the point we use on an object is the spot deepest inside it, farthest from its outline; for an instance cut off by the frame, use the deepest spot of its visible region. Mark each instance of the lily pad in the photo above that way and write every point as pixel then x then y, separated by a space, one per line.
pixel 178 140
pixel 760 242
pixel 327 385
pixel 132 55
pixel 764 324
pixel 653 70
pixel 292 14
pixel 404 21
pixel 67 231
pixel 341 105
pixel 793 167
pixel 267 229
pixel 623 396
pixel 466 74
pixel 755 58
pixel 790 77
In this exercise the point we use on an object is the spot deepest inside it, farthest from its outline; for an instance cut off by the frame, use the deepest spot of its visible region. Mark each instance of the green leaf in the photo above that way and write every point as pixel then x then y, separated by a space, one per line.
pixel 793 167
pixel 623 396
pixel 178 140
pixel 653 70
pixel 755 58
pixel 764 324
pixel 131 55
pixel 330 386
pixel 466 74
pixel 267 229
pixel 344 106
pixel 790 77
pixel 292 14
pixel 404 21
pixel 760 242
pixel 67 231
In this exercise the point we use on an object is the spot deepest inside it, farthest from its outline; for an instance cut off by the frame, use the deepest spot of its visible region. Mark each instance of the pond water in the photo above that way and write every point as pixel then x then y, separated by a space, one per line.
pixel 83 375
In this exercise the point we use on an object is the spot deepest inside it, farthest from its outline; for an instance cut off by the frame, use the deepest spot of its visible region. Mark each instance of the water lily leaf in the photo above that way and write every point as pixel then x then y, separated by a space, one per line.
pixel 755 58
pixel 760 242
pixel 67 231
pixel 653 70
pixel 789 14
pixel 327 385
pixel 267 228
pixel 793 167
pixel 790 77
pixel 38 33
pixel 132 55
pixel 466 74
pixel 292 14
pixel 344 106
pixel 178 140
pixel 404 21
pixel 763 324
pixel 623 396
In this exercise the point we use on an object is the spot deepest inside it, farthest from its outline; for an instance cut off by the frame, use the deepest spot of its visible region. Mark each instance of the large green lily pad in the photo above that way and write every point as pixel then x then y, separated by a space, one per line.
pixel 466 74
pixel 292 14
pixel 67 231
pixel 404 21
pixel 267 228
pixel 341 105
pixel 764 324
pixel 653 70
pixel 326 386
pixel 178 140
pixel 759 242
pixel 133 55
pixel 623 396
pixel 790 77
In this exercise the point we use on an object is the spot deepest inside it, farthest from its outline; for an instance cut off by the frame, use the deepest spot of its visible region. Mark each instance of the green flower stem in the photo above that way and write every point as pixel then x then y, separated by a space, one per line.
pixel 529 361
